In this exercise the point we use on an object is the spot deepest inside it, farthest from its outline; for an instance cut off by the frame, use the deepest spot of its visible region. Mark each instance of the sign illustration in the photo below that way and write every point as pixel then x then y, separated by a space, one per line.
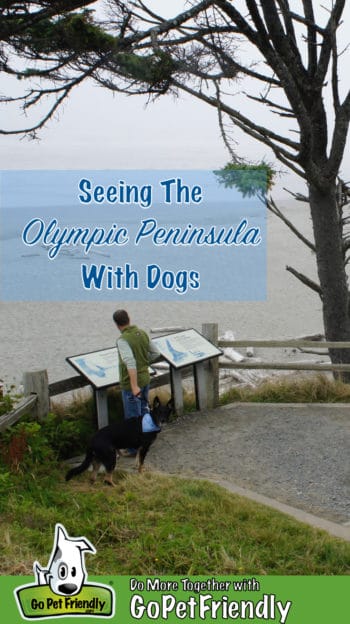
pixel 99 367
pixel 185 348
pixel 60 589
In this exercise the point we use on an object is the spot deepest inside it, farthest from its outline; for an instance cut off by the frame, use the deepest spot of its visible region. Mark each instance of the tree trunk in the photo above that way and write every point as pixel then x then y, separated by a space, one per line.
pixel 331 269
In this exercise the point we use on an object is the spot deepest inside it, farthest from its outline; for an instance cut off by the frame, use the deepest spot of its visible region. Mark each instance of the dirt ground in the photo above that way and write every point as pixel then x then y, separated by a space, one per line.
pixel 297 454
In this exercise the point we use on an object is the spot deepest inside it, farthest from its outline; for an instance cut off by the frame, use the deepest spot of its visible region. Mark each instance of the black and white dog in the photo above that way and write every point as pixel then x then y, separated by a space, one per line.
pixel 125 434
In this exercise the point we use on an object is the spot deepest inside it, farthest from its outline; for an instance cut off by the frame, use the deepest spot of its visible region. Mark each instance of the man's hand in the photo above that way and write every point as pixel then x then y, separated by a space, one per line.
pixel 135 389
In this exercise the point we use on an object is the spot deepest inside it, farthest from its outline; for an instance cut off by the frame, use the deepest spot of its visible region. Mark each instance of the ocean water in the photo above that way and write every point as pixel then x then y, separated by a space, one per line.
pixel 62 241
pixel 41 335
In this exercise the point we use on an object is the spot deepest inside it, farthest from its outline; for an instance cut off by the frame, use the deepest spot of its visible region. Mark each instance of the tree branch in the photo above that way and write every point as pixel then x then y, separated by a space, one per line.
pixel 328 38
pixel 311 36
pixel 283 45
pixel 305 280
pixel 271 205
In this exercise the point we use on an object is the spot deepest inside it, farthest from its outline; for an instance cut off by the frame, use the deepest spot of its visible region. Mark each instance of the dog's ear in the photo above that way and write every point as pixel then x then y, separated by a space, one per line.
pixel 170 405
pixel 156 402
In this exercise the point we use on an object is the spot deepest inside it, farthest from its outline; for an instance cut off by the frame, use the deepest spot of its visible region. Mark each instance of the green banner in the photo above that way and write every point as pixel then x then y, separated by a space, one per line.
pixel 176 599
pixel 39 600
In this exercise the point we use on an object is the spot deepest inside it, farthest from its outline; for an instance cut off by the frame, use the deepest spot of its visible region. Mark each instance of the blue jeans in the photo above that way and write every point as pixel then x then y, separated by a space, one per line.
pixel 135 406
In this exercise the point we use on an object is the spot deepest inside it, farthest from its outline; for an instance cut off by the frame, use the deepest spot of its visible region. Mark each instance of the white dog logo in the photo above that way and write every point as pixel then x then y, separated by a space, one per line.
pixel 65 573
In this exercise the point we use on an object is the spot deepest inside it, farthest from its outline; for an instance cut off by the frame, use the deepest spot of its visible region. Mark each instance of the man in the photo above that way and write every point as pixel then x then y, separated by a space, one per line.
pixel 136 352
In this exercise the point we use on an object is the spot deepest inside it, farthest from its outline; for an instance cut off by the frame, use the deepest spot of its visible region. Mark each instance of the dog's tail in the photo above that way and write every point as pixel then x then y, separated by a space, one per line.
pixel 83 466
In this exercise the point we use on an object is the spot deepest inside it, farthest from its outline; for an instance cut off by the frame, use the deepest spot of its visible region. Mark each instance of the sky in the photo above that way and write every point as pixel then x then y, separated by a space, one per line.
pixel 98 130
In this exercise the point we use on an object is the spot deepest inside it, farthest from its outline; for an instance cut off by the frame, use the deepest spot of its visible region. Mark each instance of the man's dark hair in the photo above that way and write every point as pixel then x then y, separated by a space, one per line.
pixel 121 318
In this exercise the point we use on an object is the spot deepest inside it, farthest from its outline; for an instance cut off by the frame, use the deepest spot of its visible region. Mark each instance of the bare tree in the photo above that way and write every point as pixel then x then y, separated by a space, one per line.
pixel 295 63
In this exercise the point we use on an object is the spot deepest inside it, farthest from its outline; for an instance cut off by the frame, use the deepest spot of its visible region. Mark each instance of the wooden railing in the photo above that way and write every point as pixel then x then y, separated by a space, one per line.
pixel 31 403
pixel 285 344
pixel 38 391
pixel 25 406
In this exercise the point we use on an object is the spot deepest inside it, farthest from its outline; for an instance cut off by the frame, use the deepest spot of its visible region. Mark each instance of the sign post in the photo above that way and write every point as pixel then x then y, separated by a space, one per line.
pixel 188 348
pixel 200 379
pixel 101 407
pixel 102 371
pixel 176 390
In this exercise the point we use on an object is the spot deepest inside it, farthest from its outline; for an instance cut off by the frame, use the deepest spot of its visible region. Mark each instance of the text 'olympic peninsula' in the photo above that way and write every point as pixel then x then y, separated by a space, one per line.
pixel 56 237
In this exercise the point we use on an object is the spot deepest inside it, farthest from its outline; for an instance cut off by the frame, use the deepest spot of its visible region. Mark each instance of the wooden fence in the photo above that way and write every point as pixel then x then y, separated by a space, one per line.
pixel 38 391
pixel 37 400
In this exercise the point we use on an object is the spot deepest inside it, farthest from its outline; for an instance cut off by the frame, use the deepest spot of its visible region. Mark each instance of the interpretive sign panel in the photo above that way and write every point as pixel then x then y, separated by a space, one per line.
pixel 185 348
pixel 99 367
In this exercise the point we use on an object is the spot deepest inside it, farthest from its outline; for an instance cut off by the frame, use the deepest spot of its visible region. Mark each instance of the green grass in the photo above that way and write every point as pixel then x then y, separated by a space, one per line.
pixel 156 525
pixel 292 389
pixel 151 524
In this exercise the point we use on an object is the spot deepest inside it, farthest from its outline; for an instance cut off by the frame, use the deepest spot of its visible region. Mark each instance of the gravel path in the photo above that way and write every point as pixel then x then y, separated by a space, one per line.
pixel 296 454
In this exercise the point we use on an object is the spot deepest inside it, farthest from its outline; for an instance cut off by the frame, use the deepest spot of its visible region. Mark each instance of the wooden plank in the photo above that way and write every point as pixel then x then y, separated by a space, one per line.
pixel 284 366
pixel 166 330
pixel 200 379
pixel 36 382
pixel 102 407
pixel 211 367
pixel 76 382
pixel 25 406
pixel 67 385
pixel 176 391
pixel 160 380
pixel 293 344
